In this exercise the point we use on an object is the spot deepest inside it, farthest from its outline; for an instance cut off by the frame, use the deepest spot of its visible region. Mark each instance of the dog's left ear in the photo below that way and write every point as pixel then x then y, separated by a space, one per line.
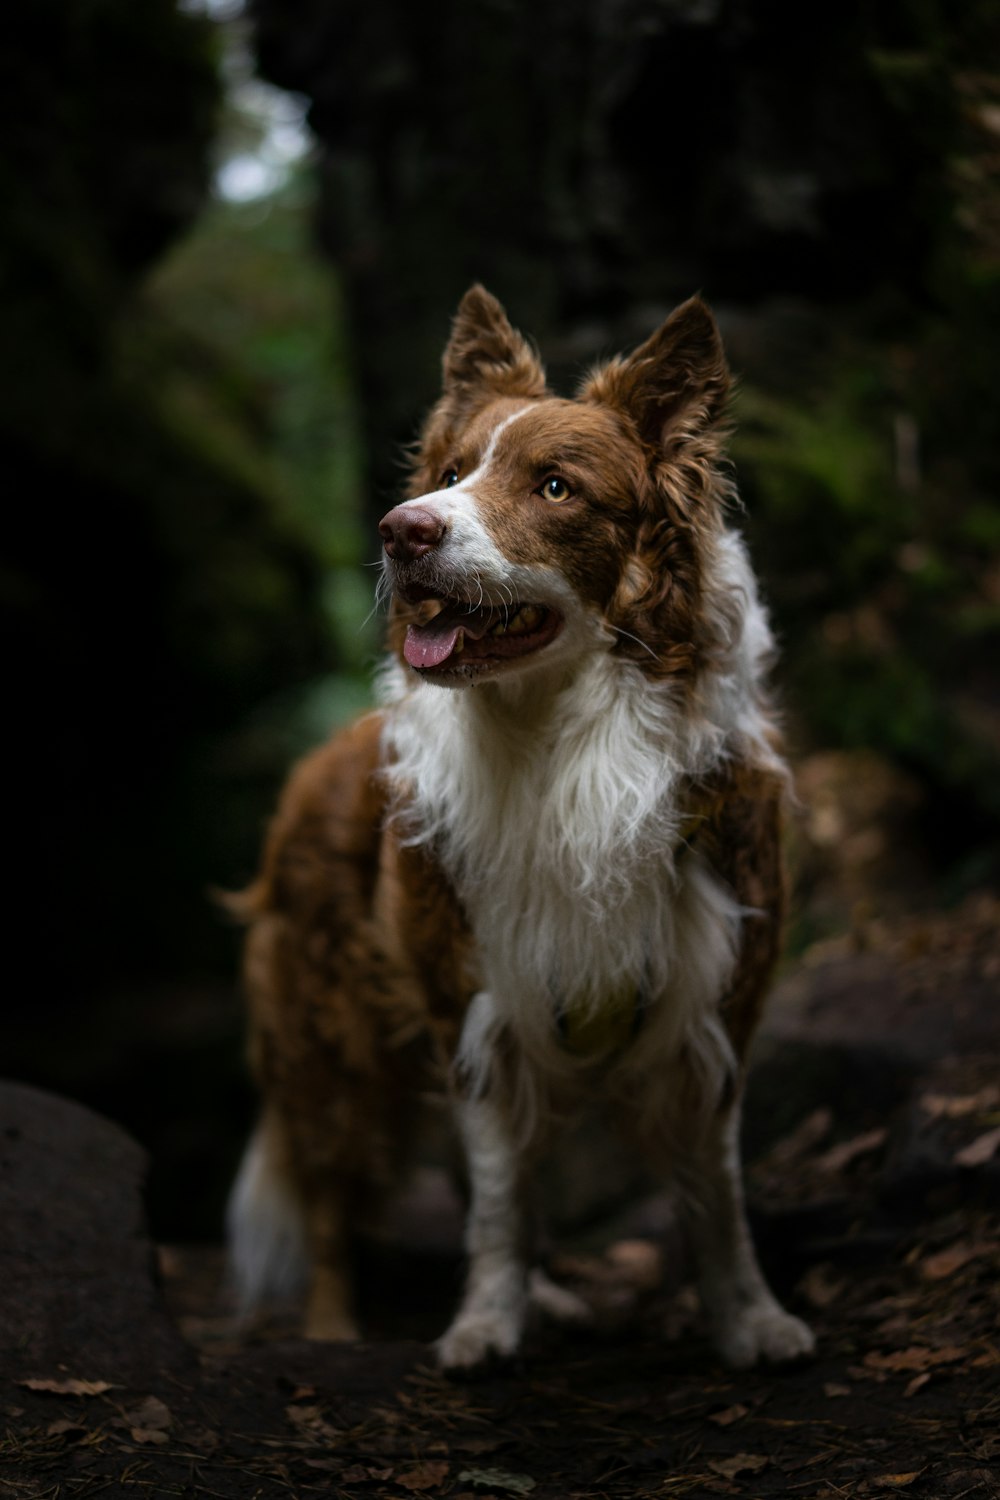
pixel 485 356
pixel 675 385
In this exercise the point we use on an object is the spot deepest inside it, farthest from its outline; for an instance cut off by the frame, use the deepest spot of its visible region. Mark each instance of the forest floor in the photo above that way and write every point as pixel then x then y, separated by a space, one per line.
pixel 873 1145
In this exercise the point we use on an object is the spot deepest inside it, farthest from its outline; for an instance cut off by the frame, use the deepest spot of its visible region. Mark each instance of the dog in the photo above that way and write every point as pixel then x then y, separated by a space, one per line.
pixel 546 872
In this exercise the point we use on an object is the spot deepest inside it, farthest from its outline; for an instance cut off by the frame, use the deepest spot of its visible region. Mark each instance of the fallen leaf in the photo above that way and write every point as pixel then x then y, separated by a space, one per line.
pixel 916 1384
pixel 832 1389
pixel 148 1435
pixel 353 1474
pixel 63 1426
pixel 69 1387
pixel 202 1438
pixel 956 1106
pixel 312 1424
pixel 839 1157
pixel 979 1151
pixel 807 1134
pixel 917 1357
pixel 639 1262
pixel 425 1476
pixel 947 1262
pixel 819 1286
pixel 897 1481
pixel 730 1415
pixel 152 1413
pixel 516 1484
pixel 740 1463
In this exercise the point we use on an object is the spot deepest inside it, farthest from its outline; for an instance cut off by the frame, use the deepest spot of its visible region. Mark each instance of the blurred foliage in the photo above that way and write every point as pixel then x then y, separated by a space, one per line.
pixel 159 581
pixel 246 326
pixel 874 494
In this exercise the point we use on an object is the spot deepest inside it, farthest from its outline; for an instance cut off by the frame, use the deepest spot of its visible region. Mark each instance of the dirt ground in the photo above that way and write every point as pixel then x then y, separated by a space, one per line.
pixel 873 1140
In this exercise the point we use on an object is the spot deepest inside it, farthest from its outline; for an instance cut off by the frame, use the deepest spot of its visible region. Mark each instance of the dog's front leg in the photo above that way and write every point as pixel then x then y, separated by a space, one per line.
pixel 490 1319
pixel 746 1320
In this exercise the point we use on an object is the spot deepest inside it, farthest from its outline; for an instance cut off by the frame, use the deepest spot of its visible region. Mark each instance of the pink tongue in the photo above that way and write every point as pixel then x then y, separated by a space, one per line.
pixel 426 646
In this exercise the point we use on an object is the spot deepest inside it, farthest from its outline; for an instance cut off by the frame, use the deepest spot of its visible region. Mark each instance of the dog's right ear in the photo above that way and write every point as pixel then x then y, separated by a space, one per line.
pixel 485 356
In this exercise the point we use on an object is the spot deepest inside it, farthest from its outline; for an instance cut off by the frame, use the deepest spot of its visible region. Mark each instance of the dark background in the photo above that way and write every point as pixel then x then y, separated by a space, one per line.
pixel 204 403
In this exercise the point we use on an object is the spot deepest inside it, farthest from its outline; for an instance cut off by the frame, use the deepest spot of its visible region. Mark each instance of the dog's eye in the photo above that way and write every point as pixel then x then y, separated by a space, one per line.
pixel 555 488
pixel 448 478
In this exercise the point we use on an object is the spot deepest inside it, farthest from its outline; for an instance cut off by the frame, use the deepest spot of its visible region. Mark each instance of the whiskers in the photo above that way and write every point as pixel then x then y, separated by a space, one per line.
pixel 630 637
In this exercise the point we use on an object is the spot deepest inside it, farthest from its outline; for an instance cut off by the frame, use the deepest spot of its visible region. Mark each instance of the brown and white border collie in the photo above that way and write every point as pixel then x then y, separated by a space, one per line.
pixel 546 873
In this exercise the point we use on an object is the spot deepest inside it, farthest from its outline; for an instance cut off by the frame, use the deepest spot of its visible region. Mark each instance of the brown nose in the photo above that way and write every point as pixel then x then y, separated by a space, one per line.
pixel 408 532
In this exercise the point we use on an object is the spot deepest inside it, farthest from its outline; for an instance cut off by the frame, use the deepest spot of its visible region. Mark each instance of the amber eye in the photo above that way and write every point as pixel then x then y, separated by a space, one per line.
pixel 555 488
pixel 448 478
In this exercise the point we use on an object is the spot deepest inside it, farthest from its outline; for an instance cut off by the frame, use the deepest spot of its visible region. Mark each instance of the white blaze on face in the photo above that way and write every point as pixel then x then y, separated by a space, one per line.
pixel 470 546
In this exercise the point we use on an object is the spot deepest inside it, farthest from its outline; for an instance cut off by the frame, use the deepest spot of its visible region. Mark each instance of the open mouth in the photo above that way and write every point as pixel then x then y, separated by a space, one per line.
pixel 452 635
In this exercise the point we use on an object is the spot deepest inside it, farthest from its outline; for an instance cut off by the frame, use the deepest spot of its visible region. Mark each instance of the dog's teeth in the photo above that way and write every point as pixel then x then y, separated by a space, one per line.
pixel 459 645
pixel 528 617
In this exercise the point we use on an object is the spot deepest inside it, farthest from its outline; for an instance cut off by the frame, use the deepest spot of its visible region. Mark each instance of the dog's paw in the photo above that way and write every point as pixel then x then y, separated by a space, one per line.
pixel 475 1337
pixel 763 1331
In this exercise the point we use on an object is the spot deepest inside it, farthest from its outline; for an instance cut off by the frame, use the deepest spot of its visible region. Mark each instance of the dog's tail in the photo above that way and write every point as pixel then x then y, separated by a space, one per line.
pixel 264 1223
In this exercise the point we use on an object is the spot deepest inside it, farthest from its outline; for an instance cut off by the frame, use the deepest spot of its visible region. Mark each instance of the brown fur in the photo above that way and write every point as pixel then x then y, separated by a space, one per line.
pixel 360 964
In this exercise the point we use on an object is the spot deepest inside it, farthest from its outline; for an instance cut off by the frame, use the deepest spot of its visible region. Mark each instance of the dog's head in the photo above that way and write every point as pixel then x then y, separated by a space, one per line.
pixel 539 527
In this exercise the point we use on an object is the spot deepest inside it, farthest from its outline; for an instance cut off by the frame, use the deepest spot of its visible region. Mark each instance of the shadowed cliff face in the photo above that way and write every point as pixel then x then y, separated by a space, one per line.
pixel 584 162
pixel 152 593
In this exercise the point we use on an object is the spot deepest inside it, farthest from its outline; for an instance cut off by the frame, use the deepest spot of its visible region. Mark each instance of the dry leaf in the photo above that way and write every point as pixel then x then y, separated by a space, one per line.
pixel 897 1481
pixel 425 1476
pixel 979 1151
pixel 839 1157
pixel 946 1262
pixel 63 1425
pixel 152 1413
pixel 917 1357
pixel 807 1134
pixel 832 1389
pixel 740 1463
pixel 730 1415
pixel 354 1474
pixel 819 1286
pixel 312 1424
pixel 639 1261
pixel 500 1479
pixel 917 1383
pixel 69 1387
pixel 148 1435
pixel 956 1106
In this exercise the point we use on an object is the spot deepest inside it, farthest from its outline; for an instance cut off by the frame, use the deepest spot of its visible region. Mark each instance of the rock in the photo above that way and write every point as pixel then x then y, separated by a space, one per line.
pixel 77 1292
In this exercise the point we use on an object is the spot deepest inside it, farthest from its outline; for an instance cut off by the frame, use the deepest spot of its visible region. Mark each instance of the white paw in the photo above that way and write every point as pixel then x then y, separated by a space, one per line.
pixel 763 1331
pixel 557 1301
pixel 473 1337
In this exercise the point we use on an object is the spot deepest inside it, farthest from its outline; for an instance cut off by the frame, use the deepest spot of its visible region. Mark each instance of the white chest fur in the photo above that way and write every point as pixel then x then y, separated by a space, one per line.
pixel 556 805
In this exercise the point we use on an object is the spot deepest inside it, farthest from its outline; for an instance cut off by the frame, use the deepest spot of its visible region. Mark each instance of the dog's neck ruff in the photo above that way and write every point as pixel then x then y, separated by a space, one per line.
pixel 556 803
